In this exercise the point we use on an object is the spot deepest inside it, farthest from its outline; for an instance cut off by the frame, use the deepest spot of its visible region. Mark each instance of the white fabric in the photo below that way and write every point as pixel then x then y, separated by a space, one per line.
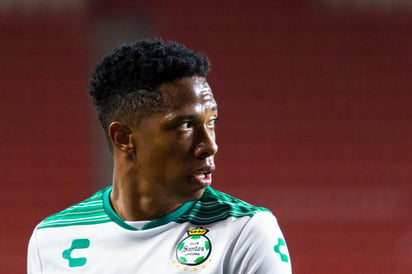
pixel 238 245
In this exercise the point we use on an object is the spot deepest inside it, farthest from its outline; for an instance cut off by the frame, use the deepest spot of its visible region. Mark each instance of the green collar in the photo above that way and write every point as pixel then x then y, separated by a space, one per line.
pixel 172 216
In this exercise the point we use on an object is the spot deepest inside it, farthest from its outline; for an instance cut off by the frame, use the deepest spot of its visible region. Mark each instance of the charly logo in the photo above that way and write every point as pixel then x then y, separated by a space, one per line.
pixel 281 243
pixel 76 244
pixel 195 248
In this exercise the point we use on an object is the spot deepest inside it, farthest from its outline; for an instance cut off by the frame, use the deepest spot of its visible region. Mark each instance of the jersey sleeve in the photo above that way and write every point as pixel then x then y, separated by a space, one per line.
pixel 261 247
pixel 33 257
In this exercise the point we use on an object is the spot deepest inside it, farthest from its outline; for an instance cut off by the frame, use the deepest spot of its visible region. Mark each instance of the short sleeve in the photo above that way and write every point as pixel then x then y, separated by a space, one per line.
pixel 261 247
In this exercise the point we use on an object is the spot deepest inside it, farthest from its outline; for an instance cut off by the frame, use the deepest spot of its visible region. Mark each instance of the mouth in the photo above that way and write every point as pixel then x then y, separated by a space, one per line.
pixel 203 176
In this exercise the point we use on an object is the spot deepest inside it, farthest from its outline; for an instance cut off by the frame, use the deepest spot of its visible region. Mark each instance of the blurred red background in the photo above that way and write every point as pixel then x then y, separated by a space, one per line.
pixel 315 117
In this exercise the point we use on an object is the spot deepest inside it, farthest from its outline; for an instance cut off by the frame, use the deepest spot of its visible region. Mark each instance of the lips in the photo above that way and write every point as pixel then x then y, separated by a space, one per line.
pixel 203 176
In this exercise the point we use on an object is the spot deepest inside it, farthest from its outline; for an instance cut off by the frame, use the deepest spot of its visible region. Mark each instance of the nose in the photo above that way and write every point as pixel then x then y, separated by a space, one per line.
pixel 206 146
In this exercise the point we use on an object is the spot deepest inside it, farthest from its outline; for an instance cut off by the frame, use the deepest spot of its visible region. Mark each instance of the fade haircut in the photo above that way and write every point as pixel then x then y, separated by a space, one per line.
pixel 125 85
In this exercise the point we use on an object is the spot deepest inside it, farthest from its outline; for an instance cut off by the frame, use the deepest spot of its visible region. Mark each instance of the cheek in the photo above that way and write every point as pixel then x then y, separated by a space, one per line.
pixel 180 144
pixel 163 152
pixel 176 157
pixel 168 154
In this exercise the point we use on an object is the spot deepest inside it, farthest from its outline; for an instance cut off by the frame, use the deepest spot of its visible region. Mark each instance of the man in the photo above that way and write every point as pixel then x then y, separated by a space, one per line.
pixel 160 215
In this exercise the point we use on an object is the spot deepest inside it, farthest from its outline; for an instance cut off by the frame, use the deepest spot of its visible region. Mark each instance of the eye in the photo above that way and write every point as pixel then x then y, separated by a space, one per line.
pixel 185 125
pixel 212 122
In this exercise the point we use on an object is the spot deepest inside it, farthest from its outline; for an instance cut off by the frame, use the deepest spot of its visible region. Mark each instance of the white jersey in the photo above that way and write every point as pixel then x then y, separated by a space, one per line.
pixel 215 234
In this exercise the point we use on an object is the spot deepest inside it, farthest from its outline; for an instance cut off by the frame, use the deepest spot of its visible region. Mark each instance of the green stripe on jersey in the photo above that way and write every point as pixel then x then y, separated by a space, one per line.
pixel 88 212
pixel 212 207
pixel 216 206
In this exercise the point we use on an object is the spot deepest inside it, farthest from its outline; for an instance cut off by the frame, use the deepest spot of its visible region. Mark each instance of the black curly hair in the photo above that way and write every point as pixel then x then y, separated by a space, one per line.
pixel 125 85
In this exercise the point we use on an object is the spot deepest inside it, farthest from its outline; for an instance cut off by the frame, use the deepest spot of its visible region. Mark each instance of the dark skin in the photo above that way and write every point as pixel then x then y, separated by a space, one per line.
pixel 169 158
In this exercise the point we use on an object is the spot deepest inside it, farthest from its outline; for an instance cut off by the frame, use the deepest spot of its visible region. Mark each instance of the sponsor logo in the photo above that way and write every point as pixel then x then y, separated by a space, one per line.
pixel 76 244
pixel 283 257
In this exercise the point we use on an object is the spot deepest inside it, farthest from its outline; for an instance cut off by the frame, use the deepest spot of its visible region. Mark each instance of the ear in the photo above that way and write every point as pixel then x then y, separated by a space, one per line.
pixel 120 136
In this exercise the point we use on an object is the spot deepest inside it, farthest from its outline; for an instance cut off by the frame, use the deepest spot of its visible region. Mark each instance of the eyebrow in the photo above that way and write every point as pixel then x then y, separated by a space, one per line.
pixel 185 117
pixel 189 116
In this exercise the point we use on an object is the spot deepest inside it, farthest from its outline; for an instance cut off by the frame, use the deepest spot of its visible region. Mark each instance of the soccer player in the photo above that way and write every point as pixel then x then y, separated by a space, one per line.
pixel 160 214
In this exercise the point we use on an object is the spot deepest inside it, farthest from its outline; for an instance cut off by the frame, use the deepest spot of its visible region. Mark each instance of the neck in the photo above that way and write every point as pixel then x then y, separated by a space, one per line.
pixel 133 200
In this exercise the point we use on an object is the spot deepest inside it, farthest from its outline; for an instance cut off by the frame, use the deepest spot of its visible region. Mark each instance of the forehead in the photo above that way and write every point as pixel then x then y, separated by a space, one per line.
pixel 186 92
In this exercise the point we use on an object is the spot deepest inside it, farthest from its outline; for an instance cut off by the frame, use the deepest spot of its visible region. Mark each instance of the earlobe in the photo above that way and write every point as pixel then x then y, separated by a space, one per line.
pixel 120 136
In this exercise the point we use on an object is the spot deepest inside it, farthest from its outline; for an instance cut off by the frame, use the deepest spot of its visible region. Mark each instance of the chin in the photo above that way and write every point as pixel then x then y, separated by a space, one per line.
pixel 199 193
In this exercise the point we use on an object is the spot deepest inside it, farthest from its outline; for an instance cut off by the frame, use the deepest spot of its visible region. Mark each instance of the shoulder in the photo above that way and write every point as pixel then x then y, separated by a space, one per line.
pixel 89 211
pixel 216 206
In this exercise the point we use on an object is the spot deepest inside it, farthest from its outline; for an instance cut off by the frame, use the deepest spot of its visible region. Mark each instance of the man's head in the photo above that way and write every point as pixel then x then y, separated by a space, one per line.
pixel 159 114
pixel 125 85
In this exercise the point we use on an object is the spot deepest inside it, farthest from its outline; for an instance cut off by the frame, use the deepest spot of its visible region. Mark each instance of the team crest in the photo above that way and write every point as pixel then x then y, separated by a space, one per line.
pixel 195 248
